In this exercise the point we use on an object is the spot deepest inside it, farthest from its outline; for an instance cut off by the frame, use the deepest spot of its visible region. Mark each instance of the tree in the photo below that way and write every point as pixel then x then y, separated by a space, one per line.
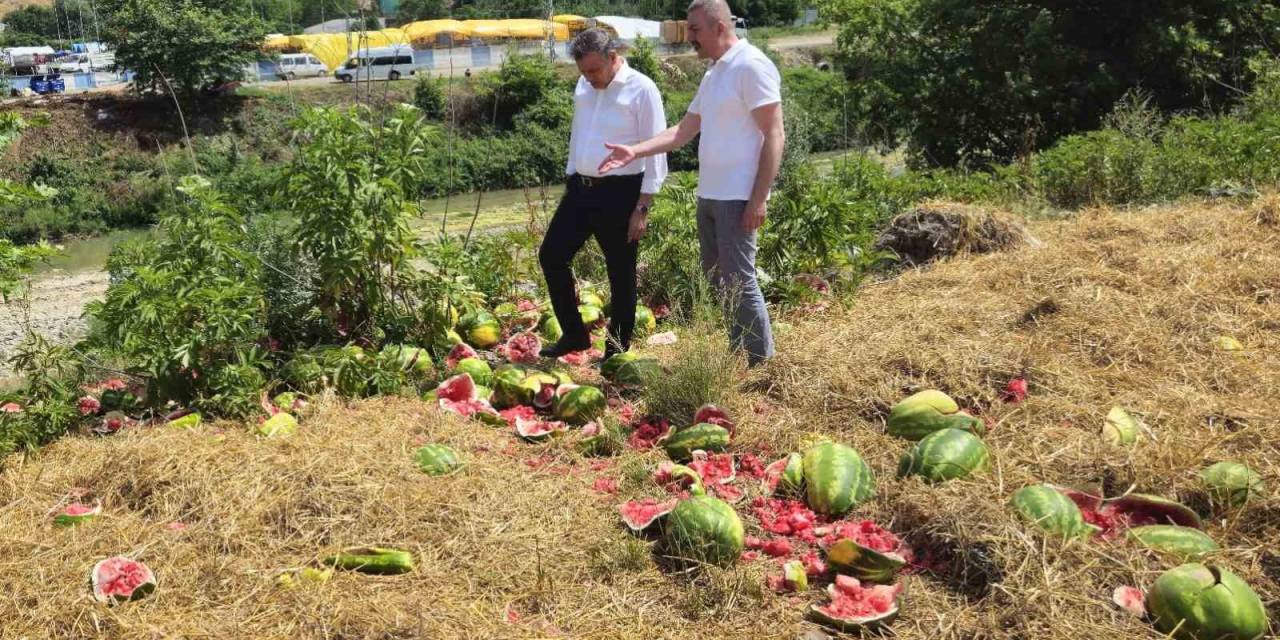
pixel 763 13
pixel 643 58
pixel 32 19
pixel 188 44
pixel 986 82
pixel 414 10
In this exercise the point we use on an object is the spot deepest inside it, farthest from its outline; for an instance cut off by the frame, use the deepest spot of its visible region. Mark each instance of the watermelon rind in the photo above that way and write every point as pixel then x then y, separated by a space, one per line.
pixel 852 559
pixel 705 529
pixel 704 437
pixel 1120 427
pixel 945 455
pixel 437 459
pixel 1184 542
pixel 580 405
pixel 853 625
pixel 836 479
pixel 69 520
pixel 1170 511
pixel 1231 484
pixel 928 411
pixel 140 591
pixel 1205 602
pixel 374 560
pixel 1051 510
pixel 279 425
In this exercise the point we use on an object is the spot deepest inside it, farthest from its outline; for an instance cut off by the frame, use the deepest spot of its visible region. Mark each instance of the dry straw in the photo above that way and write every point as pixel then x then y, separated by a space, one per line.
pixel 1117 308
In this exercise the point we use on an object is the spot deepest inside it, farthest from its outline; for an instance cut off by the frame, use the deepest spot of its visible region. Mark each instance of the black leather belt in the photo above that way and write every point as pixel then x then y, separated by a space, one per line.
pixel 591 183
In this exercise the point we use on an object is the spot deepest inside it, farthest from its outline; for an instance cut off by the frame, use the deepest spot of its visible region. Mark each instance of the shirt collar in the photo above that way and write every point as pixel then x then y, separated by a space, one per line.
pixel 732 52
pixel 624 73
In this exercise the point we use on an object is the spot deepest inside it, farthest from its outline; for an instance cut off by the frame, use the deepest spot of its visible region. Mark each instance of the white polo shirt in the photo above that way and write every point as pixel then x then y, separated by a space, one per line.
pixel 743 79
pixel 627 111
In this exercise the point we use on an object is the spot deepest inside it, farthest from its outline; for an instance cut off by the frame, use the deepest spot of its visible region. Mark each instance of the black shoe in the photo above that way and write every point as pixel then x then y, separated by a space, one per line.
pixel 560 348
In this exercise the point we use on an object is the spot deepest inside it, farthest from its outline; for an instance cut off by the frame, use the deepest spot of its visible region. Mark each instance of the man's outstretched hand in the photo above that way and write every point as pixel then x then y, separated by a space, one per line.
pixel 620 155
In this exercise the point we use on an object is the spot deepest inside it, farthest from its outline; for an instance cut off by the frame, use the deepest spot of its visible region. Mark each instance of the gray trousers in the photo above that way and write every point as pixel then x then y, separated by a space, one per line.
pixel 729 260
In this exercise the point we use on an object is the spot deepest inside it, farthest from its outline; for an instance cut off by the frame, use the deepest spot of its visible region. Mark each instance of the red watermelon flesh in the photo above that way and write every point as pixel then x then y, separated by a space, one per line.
pixel 467 408
pixel 1130 599
pixel 639 515
pixel 523 348
pixel 751 466
pixel 853 602
pixel 786 518
pixel 711 414
pixel 459 352
pixel 546 396
pixel 78 509
pixel 649 433
pixel 714 469
pixel 517 412
pixel 591 429
pixel 870 535
pixel 459 388
pixel 727 492
pixel 534 428
pixel 120 578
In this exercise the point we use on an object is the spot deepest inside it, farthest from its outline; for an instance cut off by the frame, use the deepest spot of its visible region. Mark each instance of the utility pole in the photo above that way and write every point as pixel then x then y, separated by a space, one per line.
pixel 551 29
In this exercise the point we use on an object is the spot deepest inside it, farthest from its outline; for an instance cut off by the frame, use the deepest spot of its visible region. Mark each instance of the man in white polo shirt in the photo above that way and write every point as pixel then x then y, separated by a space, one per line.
pixel 738 110
pixel 611 102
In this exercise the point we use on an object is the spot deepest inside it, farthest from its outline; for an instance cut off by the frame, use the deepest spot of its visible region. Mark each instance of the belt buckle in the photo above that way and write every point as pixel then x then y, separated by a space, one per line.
pixel 588 181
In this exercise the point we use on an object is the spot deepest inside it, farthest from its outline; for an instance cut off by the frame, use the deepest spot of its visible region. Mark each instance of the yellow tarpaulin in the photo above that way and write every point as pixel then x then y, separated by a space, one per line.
pixel 433 33
pixel 537 30
pixel 276 44
pixel 576 24
pixel 333 49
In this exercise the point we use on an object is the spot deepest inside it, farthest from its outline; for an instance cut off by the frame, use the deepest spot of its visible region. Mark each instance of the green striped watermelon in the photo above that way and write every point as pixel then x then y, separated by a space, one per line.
pixel 836 478
pixel 436 459
pixel 550 328
pixel 705 529
pixel 1173 540
pixel 1051 510
pixel 704 437
pixel 645 320
pixel 1199 602
pixel 927 411
pixel 591 298
pixel 376 560
pixel 591 314
pixel 1231 484
pixel 480 329
pixel 628 369
pixel 478 369
pixel 785 476
pixel 579 404
pixel 945 455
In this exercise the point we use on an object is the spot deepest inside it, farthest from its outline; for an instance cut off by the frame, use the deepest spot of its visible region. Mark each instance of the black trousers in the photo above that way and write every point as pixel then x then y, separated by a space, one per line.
pixel 599 207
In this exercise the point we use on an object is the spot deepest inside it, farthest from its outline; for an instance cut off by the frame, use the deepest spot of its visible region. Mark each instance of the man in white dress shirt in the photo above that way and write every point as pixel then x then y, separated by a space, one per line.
pixel 612 102
pixel 738 111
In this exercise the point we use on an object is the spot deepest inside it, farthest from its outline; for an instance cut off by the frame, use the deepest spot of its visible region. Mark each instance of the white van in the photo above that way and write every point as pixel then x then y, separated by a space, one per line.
pixel 378 63
pixel 292 66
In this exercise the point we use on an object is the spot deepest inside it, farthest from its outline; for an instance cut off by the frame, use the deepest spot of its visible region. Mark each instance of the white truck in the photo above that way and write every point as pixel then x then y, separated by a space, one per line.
pixel 86 62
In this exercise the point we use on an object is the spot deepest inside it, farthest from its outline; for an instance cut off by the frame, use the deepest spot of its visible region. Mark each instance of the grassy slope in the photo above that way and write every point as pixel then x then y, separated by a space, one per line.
pixel 1139 297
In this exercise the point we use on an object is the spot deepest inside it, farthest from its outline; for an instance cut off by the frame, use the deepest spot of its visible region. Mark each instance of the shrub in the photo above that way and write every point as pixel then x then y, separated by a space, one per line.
pixel 429 97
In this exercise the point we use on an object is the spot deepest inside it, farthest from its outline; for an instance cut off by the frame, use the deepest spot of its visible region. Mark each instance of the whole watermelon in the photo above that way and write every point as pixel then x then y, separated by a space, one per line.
pixel 1051 510
pixel 580 405
pixel 928 411
pixel 1231 484
pixel 436 459
pixel 480 329
pixel 1205 603
pixel 705 529
pixel 945 455
pixel 836 478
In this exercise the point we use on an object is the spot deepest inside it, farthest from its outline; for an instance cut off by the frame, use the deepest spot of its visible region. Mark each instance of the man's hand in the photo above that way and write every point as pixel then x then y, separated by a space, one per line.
pixel 620 155
pixel 639 223
pixel 753 216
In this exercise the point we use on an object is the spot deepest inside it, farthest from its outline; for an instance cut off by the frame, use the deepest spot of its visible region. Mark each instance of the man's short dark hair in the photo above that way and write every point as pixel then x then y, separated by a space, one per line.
pixel 593 40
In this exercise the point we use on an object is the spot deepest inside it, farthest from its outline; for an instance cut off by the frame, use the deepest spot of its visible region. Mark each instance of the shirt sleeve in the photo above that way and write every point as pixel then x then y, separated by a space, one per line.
pixel 652 120
pixel 695 105
pixel 760 84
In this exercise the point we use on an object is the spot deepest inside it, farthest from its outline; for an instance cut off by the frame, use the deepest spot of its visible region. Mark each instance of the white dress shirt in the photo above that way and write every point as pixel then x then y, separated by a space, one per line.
pixel 742 80
pixel 627 111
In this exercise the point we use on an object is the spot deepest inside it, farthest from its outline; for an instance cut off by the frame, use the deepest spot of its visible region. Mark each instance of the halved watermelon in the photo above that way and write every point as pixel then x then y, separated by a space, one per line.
pixel 533 429
pixel 120 579
pixel 711 414
pixel 854 607
pixel 639 515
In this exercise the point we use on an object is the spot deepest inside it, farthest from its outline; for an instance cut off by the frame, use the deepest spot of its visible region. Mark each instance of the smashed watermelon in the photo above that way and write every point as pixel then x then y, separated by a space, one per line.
pixel 854 606
pixel 714 469
pixel 711 414
pixel 649 433
pixel 119 579
pixel 460 352
pixel 639 515
pixel 523 348
pixel 534 429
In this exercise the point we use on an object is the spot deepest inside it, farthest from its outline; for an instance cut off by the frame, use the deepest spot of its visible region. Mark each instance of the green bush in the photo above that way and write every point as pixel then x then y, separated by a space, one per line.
pixel 429 97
